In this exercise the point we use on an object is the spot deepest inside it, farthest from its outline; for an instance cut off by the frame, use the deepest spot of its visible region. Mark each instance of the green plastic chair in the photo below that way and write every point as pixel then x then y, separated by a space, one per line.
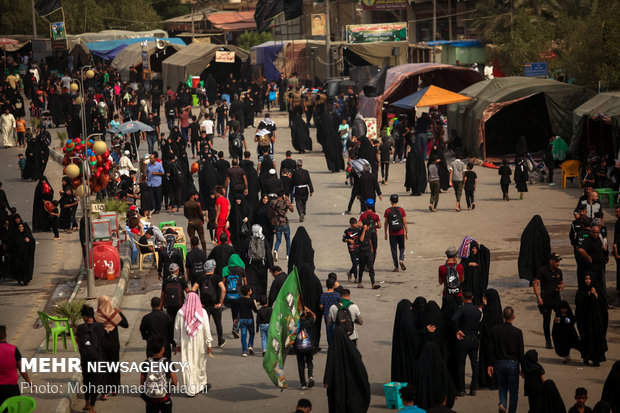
pixel 167 224
pixel 18 404
pixel 182 248
pixel 57 330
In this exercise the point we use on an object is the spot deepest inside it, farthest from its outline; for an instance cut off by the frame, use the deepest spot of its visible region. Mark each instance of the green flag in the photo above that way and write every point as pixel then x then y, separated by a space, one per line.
pixel 283 328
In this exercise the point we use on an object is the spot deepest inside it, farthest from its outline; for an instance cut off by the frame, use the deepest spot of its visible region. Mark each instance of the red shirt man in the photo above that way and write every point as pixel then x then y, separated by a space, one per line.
pixel 443 272
pixel 222 210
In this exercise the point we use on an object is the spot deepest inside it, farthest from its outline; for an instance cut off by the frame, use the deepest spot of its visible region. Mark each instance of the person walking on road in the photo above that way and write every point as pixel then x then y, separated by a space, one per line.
pixel 466 321
pixel 434 183
pixel 280 207
pixel 396 223
pixel 548 284
pixel 195 219
pixel 302 185
pixel 506 355
pixel 456 169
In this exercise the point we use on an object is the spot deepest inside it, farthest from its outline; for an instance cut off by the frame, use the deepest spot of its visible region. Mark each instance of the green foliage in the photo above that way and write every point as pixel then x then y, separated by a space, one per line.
pixel 70 310
pixel 249 39
pixel 170 8
pixel 117 205
pixel 81 16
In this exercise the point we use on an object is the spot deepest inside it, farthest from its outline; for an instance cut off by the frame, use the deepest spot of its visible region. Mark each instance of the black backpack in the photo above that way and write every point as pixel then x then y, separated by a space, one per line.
pixel 208 291
pixel 173 294
pixel 452 280
pixel 395 219
pixel 344 319
pixel 88 342
pixel 237 143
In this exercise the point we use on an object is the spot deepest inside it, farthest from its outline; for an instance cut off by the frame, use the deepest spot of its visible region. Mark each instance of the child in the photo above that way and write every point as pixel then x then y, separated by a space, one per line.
pixel 588 179
pixel 351 237
pixel 54 214
pixel 504 181
pixel 564 334
pixel 534 376
pixel 581 396
pixel 246 306
pixel 469 183
pixel 20 128
pixel 263 316
pixel 22 163
pixel 304 347
pixel 156 398
pixel 386 150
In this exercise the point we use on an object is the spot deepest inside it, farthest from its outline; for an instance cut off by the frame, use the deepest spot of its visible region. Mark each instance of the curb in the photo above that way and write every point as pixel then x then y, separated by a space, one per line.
pixel 64 405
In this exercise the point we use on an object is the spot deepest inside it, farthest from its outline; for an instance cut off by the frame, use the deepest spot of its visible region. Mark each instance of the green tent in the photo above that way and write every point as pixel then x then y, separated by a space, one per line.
pixel 504 109
pixel 597 123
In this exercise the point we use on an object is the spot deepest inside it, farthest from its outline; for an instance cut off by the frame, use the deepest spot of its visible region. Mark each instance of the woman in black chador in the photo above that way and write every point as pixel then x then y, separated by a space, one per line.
pixel 592 316
pixel 563 333
pixel 491 317
pixel 41 220
pixel 415 175
pixel 476 267
pixel 406 342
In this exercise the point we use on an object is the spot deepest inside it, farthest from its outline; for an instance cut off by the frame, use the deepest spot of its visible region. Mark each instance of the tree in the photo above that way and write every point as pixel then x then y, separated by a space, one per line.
pixel 248 39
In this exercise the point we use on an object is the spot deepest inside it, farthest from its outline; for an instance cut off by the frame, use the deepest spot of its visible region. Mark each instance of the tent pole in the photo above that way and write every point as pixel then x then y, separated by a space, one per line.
pixel 34 22
pixel 327 40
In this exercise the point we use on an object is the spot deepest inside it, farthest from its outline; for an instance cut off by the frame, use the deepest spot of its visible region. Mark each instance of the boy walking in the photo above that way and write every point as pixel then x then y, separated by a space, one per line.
pixel 396 222
pixel 246 306
pixel 263 317
pixel 469 182
pixel 328 298
pixel 156 380
pixel 385 151
pixel 351 237
pixel 304 348
pixel 504 181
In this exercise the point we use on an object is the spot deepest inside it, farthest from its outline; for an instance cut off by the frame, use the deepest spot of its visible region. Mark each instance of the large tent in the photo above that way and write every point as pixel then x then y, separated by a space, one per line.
pixel 378 54
pixel 596 123
pixel 132 56
pixel 403 80
pixel 194 59
pixel 109 49
pixel 504 109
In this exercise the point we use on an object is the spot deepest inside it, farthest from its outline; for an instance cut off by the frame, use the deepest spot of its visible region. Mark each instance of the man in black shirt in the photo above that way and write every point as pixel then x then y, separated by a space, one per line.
pixel 213 307
pixel 287 167
pixel 236 181
pixel 466 321
pixel 194 133
pixel 576 227
pixel 221 166
pixel 505 356
pixel 278 281
pixel 157 323
pixel 548 283
pixel 303 187
pixel 195 260
pixel 171 112
pixel 156 94
pixel 595 256
pixel 221 253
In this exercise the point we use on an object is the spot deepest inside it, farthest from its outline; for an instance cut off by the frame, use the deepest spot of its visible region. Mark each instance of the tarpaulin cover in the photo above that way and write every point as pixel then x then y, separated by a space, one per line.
pixel 266 54
pixel 83 38
pixel 430 96
pixel 377 53
pixel 132 56
pixel 606 105
pixel 192 60
pixel 489 96
pixel 222 19
pixel 402 80
pixel 108 49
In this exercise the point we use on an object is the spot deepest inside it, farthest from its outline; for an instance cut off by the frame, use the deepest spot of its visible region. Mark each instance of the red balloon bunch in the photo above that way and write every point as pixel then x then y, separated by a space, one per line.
pixel 75 153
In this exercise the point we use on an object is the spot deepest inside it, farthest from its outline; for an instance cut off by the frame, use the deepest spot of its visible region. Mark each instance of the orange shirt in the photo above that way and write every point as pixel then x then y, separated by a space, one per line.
pixel 20 125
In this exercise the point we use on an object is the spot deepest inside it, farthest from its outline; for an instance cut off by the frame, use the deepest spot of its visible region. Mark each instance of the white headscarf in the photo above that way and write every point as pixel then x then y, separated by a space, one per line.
pixel 257 231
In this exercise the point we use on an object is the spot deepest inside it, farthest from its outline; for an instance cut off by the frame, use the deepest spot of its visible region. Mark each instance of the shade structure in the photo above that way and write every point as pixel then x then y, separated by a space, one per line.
pixel 430 96
pixel 5 41
pixel 131 127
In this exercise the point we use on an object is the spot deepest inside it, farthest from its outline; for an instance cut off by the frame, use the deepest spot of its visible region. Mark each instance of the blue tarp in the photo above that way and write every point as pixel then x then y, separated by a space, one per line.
pixel 266 55
pixel 108 49
pixel 456 43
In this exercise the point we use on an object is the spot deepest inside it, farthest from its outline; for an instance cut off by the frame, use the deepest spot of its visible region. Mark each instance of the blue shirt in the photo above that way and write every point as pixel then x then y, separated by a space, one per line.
pixel 327 300
pixel 154 180
pixel 412 409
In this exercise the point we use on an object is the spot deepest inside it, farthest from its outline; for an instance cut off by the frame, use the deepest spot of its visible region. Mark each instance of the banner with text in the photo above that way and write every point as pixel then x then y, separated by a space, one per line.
pixel 379 32
pixel 384 4
pixel 224 56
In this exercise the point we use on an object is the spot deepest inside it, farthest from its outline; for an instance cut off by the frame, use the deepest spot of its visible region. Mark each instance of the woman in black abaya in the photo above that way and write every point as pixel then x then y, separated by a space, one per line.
pixel 34 163
pixel 346 378
pixel 563 333
pixel 263 173
pixel 602 407
pixel 260 216
pixel 591 314
pixel 41 220
pixel 549 400
pixel 432 378
pixel 442 167
pixel 207 180
pixel 22 248
pixel 476 268
pixel 415 172
pixel 300 135
pixel 332 145
pixel 311 291
pixel 256 270
pixel 434 331
pixel 301 251
pixel 406 344
pixel 448 308
pixel 252 177
pixel 239 214
pixel 534 250
pixel 611 394
pixel 491 317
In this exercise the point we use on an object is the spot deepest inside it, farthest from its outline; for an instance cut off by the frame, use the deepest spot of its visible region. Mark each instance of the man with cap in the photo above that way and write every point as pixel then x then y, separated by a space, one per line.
pixel 548 283
pixel 396 223
pixel 212 291
pixel 302 185
pixel 173 290
pixel 452 275
pixel 195 218
pixel 272 186
pixel 367 187
pixel 124 164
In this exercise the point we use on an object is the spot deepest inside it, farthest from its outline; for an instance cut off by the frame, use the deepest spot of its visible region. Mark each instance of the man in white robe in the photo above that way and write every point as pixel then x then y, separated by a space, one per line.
pixel 192 335
pixel 7 126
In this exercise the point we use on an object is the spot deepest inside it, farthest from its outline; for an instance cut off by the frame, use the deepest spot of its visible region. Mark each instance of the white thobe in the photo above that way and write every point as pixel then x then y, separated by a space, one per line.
pixel 7 126
pixel 125 165
pixel 193 352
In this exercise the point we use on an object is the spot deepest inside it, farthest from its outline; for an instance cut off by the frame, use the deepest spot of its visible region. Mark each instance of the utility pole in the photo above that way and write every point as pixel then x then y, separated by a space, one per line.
pixel 327 40
pixel 434 20
pixel 193 24
pixel 34 21
pixel 449 20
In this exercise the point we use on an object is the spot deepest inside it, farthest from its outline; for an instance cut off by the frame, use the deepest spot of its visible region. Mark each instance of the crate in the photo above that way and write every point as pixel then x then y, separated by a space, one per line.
pixel 392 395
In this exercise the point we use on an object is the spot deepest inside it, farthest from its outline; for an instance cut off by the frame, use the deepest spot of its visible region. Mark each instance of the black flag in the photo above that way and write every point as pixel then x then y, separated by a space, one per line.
pixel 376 85
pixel 293 9
pixel 267 10
pixel 45 7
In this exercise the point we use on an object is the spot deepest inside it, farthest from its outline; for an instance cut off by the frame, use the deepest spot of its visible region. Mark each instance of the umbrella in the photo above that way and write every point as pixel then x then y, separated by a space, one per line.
pixel 3 42
pixel 430 96
pixel 131 127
